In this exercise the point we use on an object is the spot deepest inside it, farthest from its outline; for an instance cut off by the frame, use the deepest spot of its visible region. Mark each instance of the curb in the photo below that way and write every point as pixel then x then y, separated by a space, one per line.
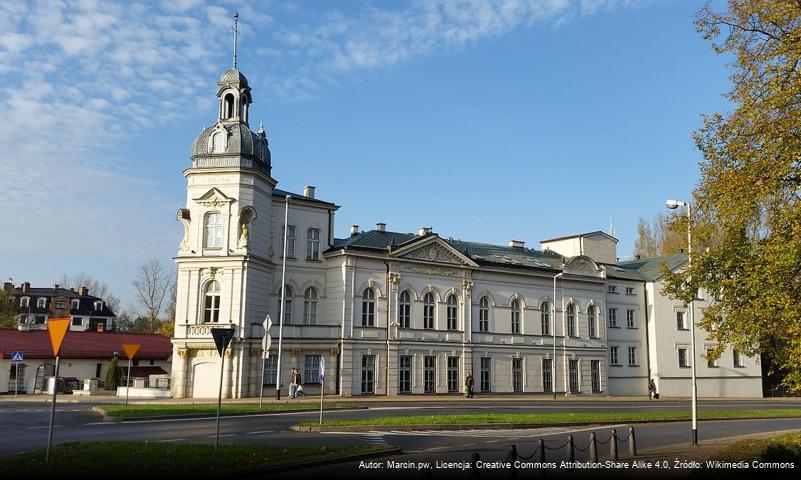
pixel 495 426
pixel 191 416
pixel 316 463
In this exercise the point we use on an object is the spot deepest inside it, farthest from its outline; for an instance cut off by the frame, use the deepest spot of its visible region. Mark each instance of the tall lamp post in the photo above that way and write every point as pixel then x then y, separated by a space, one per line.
pixel 674 204
pixel 553 327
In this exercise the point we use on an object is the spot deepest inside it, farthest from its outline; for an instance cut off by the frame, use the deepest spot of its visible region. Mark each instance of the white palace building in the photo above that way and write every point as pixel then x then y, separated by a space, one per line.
pixel 412 313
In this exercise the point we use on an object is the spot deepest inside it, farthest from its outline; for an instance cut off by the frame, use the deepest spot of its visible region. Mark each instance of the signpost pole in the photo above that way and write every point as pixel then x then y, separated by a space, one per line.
pixel 266 341
pixel 222 338
pixel 263 365
pixel 128 382
pixel 322 386
pixel 219 402
pixel 16 381
pixel 52 412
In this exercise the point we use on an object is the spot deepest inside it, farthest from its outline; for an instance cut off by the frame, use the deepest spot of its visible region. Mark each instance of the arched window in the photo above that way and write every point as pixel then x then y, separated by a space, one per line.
pixel 405 310
pixel 310 307
pixel 368 307
pixel 287 310
pixel 591 322
pixel 452 312
pixel 211 310
pixel 515 316
pixel 41 302
pixel 24 302
pixel 229 106
pixel 571 320
pixel 214 229
pixel 545 317
pixel 313 244
pixel 428 310
pixel 483 315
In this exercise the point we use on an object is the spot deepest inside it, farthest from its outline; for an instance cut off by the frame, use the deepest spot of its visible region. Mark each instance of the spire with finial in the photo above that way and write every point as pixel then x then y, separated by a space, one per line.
pixel 235 29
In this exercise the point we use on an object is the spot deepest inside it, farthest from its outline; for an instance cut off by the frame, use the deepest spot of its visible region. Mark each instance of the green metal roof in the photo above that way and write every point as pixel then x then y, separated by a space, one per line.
pixel 651 268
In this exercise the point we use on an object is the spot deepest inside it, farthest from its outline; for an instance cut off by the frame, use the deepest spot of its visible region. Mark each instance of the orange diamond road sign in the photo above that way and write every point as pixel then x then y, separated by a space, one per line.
pixel 57 328
pixel 131 349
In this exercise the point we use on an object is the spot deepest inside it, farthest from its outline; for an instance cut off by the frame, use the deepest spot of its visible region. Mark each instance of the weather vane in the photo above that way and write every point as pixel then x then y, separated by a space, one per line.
pixel 235 29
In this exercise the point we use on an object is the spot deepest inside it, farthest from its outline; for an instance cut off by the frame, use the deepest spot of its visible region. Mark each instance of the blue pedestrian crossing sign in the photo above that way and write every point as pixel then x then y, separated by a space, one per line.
pixel 17 356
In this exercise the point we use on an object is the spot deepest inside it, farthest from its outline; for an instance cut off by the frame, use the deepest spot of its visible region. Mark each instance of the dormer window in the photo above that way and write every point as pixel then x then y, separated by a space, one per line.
pixel 41 302
pixel 76 304
pixel 24 302
pixel 98 305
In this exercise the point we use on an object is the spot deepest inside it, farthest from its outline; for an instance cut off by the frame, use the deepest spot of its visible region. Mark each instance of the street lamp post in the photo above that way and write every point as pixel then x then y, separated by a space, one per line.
pixel 674 204
pixel 553 328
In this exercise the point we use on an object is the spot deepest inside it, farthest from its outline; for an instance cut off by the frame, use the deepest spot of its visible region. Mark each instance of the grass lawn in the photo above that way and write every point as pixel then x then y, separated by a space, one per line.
pixel 547 418
pixel 783 448
pixel 163 410
pixel 143 460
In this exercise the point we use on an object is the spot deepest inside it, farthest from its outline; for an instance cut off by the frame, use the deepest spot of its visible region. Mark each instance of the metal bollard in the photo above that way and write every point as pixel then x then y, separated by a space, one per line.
pixel 593 448
pixel 613 445
pixel 541 447
pixel 512 458
pixel 632 443
pixel 475 472
pixel 571 449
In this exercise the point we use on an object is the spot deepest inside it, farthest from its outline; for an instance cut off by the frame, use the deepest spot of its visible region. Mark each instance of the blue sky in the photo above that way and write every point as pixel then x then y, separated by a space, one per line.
pixel 488 121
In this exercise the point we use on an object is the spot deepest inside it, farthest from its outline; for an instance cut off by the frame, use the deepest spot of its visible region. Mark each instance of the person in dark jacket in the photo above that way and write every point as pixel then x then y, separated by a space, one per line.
pixel 468 383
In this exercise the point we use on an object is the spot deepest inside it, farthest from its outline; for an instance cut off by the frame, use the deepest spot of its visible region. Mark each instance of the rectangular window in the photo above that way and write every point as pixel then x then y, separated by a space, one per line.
pixel 683 358
pixel 547 375
pixel 613 317
pixel 545 318
pixel 98 369
pixel 405 313
pixel 710 362
pixel 290 240
pixel 517 374
pixel 573 376
pixel 737 359
pixel 39 319
pixel 591 324
pixel 313 244
pixel 405 374
pixel 631 321
pixel 77 321
pixel 430 374
pixel 270 369
pixel 681 322
pixel 613 356
pixel 214 230
pixel 595 372
pixel 61 305
pixel 311 369
pixel 629 290
pixel 428 315
pixel 453 374
pixel 368 373
pixel 612 288
pixel 486 374
pixel 632 356
pixel 483 319
pixel 515 321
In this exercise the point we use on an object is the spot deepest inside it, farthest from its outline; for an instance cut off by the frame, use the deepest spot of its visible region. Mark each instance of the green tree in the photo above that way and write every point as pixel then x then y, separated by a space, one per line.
pixel 112 375
pixel 663 235
pixel 748 217
pixel 8 310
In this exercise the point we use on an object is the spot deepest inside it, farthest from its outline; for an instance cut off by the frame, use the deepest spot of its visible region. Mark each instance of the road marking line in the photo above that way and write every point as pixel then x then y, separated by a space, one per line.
pixel 43 426
pixel 168 420
pixel 171 440
pixel 224 435
pixel 262 432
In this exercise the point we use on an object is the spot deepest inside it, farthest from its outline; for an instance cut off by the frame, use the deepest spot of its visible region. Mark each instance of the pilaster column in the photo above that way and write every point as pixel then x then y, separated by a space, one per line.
pixel 179 365
pixel 228 374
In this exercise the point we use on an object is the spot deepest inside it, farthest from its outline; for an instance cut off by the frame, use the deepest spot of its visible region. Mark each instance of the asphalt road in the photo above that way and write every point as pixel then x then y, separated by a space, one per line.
pixel 23 426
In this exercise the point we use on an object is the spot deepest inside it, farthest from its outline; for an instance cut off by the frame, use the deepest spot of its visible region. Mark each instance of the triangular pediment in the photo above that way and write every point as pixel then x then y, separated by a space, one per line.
pixel 433 250
pixel 213 198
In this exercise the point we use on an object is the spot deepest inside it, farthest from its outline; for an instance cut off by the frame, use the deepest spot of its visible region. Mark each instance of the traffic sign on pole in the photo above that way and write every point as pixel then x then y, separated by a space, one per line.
pixel 17 356
pixel 266 343
pixel 222 338
pixel 57 329
pixel 130 350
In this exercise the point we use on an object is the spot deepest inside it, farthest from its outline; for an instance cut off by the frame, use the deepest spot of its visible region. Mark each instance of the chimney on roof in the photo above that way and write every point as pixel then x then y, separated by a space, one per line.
pixel 354 230
pixel 637 257
pixel 25 287
pixel 424 231
pixel 55 286
pixel 517 244
pixel 8 287
pixel 309 191
pixel 83 291
pixel 381 227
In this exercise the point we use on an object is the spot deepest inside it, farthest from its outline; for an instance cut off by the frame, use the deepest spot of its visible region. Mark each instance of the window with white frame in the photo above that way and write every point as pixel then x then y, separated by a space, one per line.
pixel 711 362
pixel 368 307
pixel 428 310
pixel 515 316
pixel 545 318
pixel 632 356
pixel 211 306
pixel 98 305
pixel 737 359
pixel 214 230
pixel 310 306
pixel 24 302
pixel 629 290
pixel 614 359
pixel 311 369
pixel 592 326
pixel 405 309
pixel 681 321
pixel 571 320
pixel 483 315
pixel 683 359
pixel 41 302
pixel 313 244
pixel 452 312
pixel 290 240
pixel 631 319
pixel 76 304
pixel 612 314
pixel 287 310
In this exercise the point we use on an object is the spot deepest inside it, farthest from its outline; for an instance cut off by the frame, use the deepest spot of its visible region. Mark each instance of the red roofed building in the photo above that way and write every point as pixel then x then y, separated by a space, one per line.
pixel 84 355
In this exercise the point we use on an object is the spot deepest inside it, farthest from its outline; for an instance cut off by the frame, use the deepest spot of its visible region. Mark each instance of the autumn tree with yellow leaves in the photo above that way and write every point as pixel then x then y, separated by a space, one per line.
pixel 748 216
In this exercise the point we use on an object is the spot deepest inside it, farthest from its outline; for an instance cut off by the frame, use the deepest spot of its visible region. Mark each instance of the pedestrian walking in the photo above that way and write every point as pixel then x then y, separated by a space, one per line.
pixel 468 385
pixel 652 389
pixel 294 381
